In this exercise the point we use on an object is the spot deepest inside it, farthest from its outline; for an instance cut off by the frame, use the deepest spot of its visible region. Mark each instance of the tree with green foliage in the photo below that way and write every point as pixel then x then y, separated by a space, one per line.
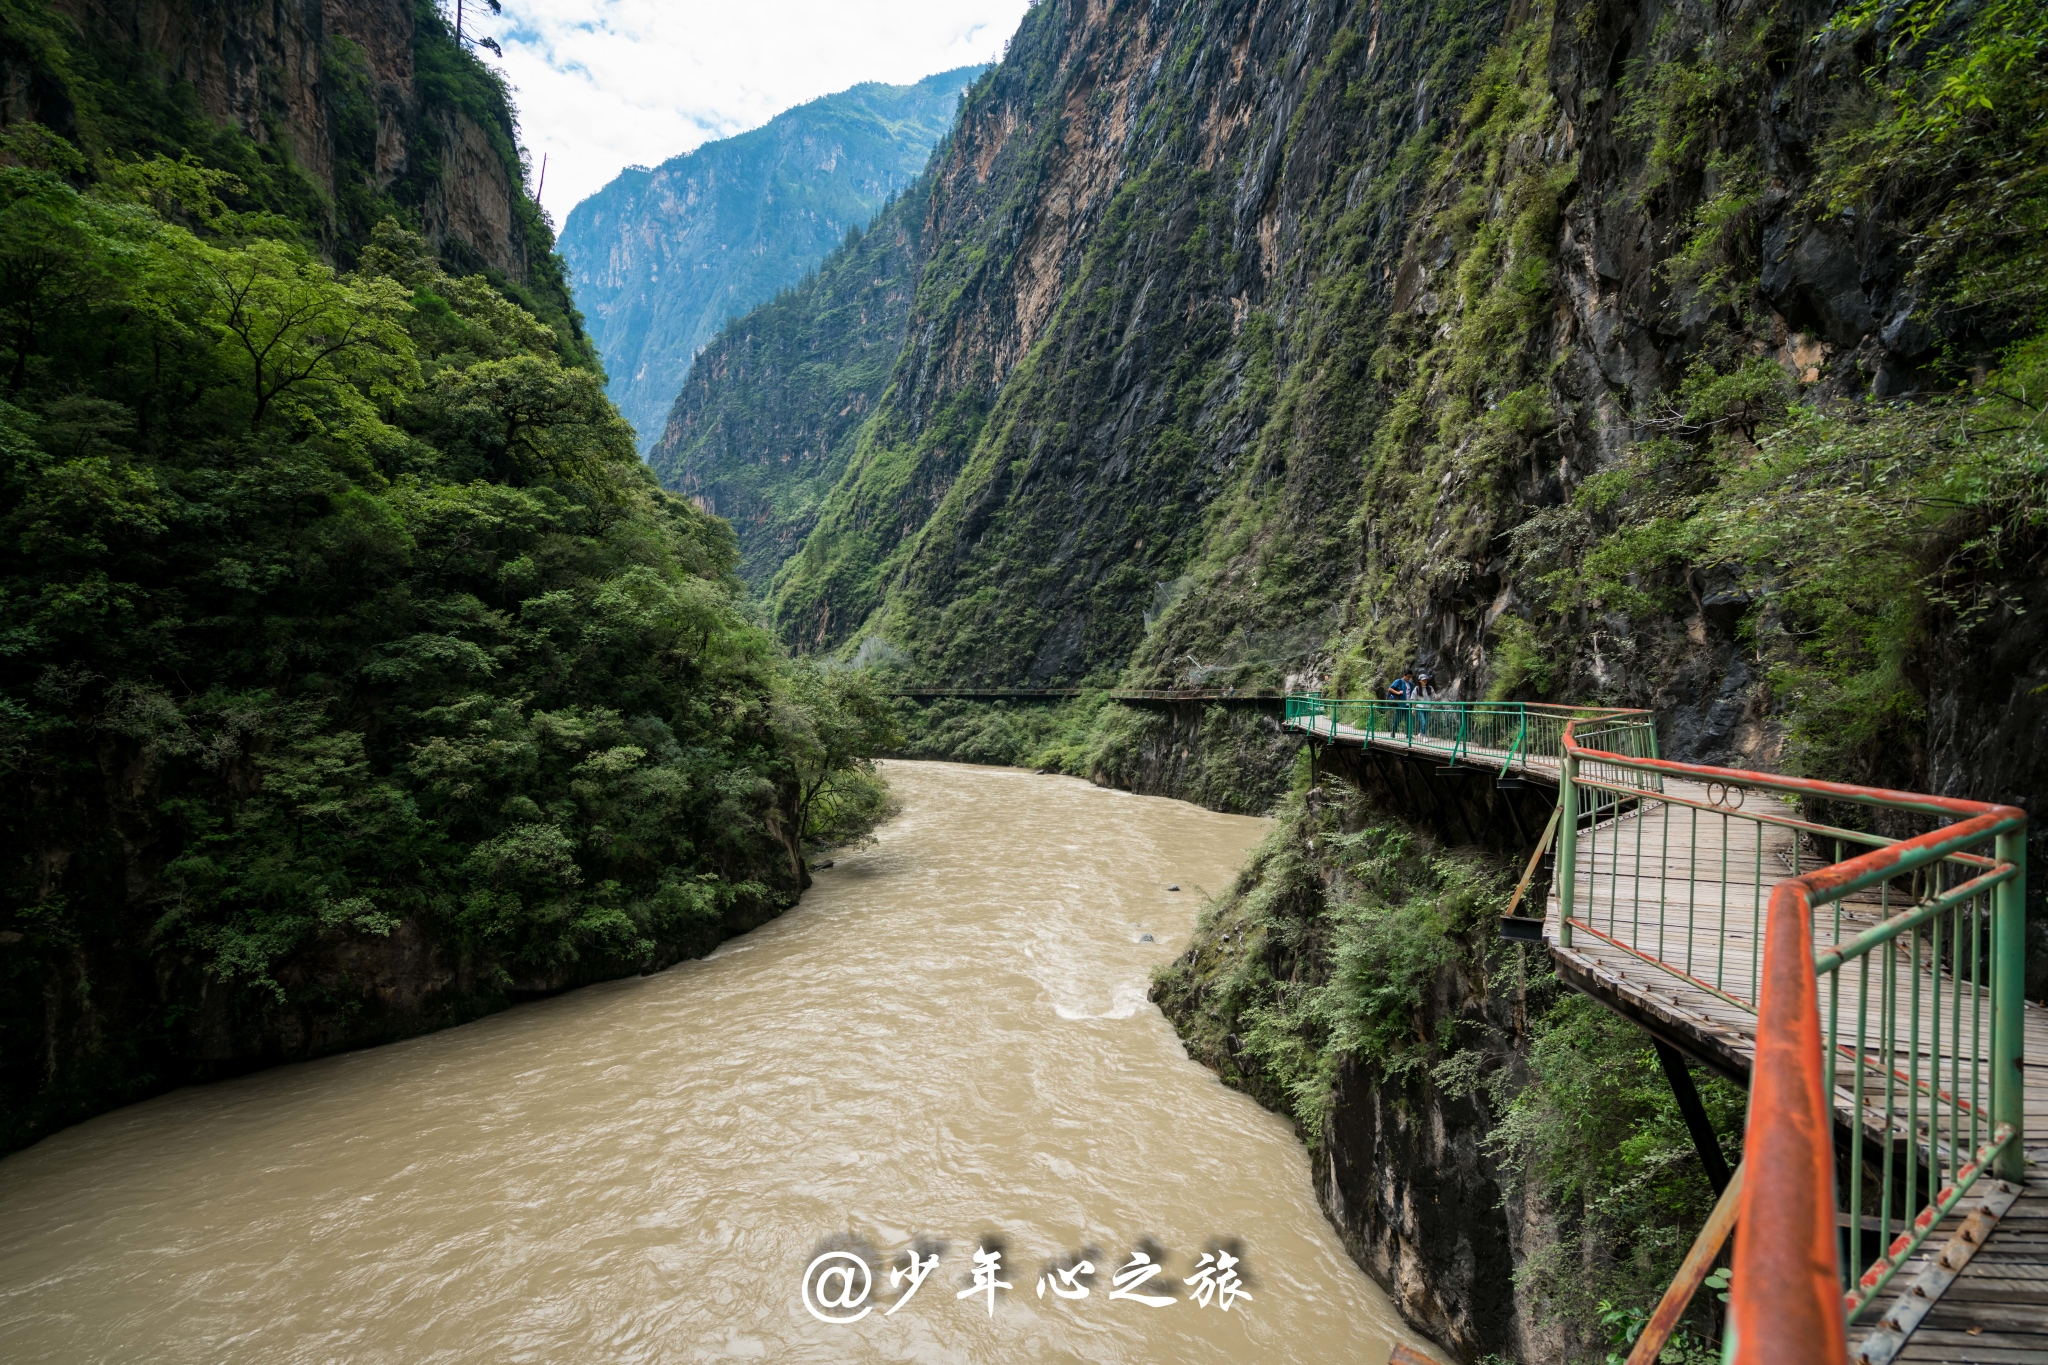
pixel 835 720
pixel 289 323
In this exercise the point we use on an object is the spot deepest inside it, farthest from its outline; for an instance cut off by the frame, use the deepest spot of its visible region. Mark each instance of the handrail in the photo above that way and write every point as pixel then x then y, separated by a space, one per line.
pixel 1521 739
pixel 1510 732
pixel 1789 1299
pixel 1926 937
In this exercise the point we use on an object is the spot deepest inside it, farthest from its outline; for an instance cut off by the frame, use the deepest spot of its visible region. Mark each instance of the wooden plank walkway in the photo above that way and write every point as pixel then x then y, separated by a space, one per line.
pixel 1688 887
pixel 1997 1310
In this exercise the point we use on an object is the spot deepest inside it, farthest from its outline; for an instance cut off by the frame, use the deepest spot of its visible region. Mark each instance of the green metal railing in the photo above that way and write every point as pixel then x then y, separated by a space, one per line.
pixel 1915 949
pixel 1881 977
pixel 1498 734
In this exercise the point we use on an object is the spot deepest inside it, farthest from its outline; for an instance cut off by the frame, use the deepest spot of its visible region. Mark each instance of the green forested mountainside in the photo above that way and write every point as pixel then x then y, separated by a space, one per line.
pixel 766 420
pixel 1524 354
pixel 662 258
pixel 1024 505
pixel 355 675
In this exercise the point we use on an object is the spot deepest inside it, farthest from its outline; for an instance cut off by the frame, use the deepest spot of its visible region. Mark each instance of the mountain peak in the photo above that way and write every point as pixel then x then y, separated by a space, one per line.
pixel 663 256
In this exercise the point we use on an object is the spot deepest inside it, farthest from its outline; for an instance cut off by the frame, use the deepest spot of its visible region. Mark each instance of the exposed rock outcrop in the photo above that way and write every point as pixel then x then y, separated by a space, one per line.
pixel 662 258
pixel 334 89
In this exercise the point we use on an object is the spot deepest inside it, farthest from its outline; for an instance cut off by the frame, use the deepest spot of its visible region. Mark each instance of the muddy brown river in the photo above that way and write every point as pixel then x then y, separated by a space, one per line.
pixel 947 1046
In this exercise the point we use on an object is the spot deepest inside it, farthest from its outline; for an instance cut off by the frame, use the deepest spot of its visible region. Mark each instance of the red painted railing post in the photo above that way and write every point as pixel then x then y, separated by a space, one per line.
pixel 1786 1304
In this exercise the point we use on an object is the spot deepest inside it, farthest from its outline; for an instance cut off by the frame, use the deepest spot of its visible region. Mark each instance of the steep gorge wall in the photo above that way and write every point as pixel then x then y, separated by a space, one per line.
pixel 663 258
pixel 1131 204
pixel 1268 343
pixel 1409 1176
pixel 256 67
pixel 770 410
pixel 1575 351
pixel 369 101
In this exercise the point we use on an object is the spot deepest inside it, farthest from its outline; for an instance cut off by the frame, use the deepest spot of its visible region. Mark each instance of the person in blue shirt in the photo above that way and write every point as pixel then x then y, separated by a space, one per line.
pixel 1401 692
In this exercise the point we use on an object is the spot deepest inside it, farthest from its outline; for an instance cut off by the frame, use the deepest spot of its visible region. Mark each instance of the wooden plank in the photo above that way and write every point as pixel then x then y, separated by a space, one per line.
pixel 1989 1312
pixel 1993 1292
pixel 2000 1316
pixel 2024 1239
pixel 2013 1341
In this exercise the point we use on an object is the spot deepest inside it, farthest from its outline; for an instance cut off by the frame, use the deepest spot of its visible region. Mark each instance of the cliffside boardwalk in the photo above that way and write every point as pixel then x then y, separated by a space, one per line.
pixel 1864 978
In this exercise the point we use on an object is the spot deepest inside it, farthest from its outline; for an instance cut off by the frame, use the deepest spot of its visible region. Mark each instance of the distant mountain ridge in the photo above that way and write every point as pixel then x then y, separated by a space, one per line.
pixel 660 259
pixel 770 412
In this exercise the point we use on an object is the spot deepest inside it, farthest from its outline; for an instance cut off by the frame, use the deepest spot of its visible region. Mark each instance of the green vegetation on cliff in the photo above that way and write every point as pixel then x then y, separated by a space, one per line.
pixel 355 675
pixel 1354 945
pixel 764 425
pixel 975 528
pixel 116 101
pixel 1555 438
pixel 1851 527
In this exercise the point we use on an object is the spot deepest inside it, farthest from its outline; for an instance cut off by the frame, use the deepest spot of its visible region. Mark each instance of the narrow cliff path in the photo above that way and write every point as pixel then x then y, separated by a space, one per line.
pixel 1669 878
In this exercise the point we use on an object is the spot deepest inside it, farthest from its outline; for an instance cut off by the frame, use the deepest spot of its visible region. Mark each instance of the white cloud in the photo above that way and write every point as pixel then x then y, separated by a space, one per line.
pixel 606 84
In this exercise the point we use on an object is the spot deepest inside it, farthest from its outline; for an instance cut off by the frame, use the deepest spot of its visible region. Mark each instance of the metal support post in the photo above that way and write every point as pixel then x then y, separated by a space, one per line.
pixel 1694 1113
pixel 1567 846
pixel 2008 992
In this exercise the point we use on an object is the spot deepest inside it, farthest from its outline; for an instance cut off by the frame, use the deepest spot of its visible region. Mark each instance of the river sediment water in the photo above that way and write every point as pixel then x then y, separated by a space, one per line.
pixel 946 1044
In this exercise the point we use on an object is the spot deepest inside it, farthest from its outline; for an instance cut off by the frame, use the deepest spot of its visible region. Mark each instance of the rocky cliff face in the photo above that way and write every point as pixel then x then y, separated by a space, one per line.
pixel 1128 210
pixel 1258 342
pixel 662 258
pixel 258 68
pixel 1422 1205
pixel 369 106
pixel 767 419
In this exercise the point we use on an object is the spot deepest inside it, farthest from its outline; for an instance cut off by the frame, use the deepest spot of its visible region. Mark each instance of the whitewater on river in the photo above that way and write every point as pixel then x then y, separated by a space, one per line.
pixel 947 1045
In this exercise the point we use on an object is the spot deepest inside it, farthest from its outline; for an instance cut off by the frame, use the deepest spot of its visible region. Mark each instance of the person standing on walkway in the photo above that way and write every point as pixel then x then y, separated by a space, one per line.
pixel 1425 693
pixel 1401 693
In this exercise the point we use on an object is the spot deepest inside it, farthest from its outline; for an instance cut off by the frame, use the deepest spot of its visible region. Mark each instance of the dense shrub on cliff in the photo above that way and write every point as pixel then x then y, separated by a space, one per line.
pixel 355 672
pixel 1852 507
pixel 1353 978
